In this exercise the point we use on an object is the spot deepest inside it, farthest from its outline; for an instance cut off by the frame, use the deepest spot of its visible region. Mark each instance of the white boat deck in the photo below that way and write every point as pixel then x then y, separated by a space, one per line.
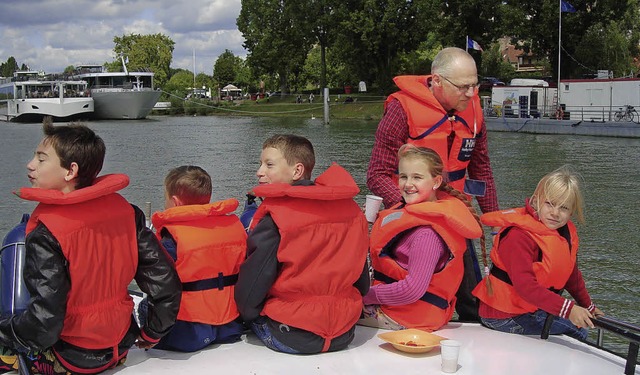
pixel 483 352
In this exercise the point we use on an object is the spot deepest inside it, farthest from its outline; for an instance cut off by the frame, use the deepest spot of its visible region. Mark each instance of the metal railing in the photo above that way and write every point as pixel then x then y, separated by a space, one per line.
pixel 621 113
pixel 627 331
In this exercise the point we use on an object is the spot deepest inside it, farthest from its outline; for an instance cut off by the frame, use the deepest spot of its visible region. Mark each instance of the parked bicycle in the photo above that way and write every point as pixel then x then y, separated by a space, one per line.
pixel 628 113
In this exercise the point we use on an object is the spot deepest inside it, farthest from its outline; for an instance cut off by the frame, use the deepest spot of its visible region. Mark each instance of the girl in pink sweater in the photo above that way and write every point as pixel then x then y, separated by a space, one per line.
pixel 423 244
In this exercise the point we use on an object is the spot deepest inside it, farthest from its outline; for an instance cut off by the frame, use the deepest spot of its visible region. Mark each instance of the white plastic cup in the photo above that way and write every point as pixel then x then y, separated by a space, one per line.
pixel 449 350
pixel 372 206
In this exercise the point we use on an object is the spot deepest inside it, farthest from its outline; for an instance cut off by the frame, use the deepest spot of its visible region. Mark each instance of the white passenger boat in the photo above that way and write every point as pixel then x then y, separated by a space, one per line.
pixel 119 95
pixel 29 96
pixel 483 352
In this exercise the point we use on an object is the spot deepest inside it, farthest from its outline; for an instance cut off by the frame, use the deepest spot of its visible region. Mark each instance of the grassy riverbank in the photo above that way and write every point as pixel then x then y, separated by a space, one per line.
pixel 358 106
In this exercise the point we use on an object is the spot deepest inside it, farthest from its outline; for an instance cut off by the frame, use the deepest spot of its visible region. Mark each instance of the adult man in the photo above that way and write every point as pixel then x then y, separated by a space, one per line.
pixel 440 111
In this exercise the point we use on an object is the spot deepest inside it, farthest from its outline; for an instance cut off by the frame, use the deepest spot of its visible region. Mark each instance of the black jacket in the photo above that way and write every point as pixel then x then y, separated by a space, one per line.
pixel 47 280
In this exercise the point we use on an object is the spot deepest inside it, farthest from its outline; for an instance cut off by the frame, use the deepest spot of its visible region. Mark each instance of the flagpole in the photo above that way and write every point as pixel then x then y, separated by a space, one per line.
pixel 559 45
pixel 194 72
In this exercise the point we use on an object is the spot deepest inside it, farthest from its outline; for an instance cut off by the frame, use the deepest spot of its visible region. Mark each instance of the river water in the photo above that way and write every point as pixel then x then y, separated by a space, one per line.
pixel 229 149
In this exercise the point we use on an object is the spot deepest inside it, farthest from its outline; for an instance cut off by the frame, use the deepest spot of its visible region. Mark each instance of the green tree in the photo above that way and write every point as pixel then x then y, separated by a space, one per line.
pixel 322 20
pixel 494 65
pixel 204 80
pixel 419 60
pixel 69 69
pixel 605 48
pixel 152 51
pixel 536 24
pixel 177 87
pixel 224 69
pixel 9 67
pixel 376 33
pixel 275 36
pixel 245 77
pixel 457 19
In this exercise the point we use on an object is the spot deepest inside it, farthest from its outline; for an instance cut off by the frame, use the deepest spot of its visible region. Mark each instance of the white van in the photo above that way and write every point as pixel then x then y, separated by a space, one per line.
pixel 528 82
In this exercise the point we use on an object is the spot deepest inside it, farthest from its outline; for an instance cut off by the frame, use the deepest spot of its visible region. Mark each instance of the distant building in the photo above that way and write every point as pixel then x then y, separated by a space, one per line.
pixel 520 60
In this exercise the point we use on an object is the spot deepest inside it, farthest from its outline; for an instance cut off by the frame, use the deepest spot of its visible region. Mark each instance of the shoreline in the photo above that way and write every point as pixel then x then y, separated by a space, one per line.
pixel 566 127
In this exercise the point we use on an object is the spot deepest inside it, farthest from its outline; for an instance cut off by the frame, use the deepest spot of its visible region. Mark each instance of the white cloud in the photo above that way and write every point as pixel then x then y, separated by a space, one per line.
pixel 68 32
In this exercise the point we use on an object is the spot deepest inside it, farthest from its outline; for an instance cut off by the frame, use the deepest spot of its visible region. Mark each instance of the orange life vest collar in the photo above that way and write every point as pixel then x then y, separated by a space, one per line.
pixel 447 211
pixel 334 183
pixel 193 212
pixel 102 186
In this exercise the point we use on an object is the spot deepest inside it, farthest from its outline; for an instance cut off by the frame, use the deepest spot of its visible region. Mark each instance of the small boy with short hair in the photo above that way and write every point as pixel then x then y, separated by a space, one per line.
pixel 85 244
pixel 208 243
pixel 302 284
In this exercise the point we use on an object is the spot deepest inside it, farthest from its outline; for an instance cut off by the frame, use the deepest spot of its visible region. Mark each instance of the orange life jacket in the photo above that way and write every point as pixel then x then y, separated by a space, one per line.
pixel 430 125
pixel 323 248
pixel 453 222
pixel 102 255
pixel 211 245
pixel 552 271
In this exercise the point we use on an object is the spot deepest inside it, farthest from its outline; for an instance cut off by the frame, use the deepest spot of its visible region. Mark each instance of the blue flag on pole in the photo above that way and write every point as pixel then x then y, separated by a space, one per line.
pixel 566 7
pixel 473 44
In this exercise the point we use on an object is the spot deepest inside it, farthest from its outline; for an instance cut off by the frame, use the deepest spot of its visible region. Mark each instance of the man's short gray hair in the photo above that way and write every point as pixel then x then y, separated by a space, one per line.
pixel 443 63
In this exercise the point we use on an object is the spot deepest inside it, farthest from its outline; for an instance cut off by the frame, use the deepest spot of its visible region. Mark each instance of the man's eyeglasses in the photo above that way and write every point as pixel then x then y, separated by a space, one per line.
pixel 463 88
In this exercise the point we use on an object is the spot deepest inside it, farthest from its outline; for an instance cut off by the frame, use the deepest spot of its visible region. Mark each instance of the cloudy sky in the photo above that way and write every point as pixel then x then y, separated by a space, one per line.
pixel 50 35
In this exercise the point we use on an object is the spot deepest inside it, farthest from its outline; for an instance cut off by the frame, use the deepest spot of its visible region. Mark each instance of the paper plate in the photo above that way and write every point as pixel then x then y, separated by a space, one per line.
pixel 412 340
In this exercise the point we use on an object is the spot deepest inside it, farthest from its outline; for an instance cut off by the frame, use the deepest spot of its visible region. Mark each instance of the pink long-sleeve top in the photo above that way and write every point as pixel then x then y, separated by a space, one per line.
pixel 421 252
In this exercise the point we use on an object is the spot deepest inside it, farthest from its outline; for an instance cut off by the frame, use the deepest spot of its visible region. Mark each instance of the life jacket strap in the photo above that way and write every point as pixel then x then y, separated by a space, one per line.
pixel 437 125
pixel 427 297
pixel 502 275
pixel 431 129
pixel 456 175
pixel 219 283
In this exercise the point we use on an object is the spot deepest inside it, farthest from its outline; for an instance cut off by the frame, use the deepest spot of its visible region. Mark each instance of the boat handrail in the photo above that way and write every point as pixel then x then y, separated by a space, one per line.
pixel 625 330
pixel 628 331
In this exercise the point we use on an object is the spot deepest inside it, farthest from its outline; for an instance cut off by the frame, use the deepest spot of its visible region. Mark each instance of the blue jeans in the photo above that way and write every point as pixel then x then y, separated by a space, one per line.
pixel 532 324
pixel 261 329
pixel 191 336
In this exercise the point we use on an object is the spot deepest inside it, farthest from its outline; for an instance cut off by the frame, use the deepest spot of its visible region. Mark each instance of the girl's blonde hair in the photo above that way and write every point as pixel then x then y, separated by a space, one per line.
pixel 561 187
pixel 436 168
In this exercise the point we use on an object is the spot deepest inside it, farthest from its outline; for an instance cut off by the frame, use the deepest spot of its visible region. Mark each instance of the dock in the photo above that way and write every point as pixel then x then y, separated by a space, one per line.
pixel 622 129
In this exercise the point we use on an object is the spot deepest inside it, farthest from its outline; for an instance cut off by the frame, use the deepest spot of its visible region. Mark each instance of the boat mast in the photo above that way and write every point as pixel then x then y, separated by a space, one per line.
pixel 559 46
pixel 124 65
